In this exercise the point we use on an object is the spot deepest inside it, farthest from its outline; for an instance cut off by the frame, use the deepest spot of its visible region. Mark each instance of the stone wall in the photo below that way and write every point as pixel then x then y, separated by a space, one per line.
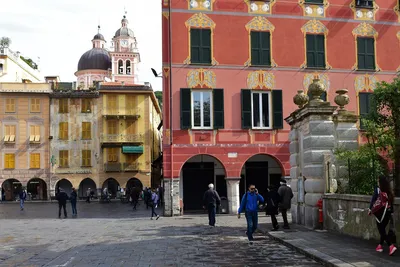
pixel 348 214
pixel 171 190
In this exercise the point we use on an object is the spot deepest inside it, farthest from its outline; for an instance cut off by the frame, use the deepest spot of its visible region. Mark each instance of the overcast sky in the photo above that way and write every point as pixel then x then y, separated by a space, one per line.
pixel 60 31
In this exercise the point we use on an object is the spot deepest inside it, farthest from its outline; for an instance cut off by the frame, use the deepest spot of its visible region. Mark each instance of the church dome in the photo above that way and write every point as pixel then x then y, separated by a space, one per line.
pixel 124 30
pixel 95 59
pixel 99 36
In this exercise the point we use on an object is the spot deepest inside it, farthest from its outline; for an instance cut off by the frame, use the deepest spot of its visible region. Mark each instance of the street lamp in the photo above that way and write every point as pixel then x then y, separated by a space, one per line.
pixel 157 75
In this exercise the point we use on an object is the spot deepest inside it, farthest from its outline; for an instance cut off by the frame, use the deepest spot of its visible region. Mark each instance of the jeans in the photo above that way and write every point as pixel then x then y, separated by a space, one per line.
pixel 21 203
pixel 153 212
pixel 73 205
pixel 382 229
pixel 284 215
pixel 211 214
pixel 62 205
pixel 252 223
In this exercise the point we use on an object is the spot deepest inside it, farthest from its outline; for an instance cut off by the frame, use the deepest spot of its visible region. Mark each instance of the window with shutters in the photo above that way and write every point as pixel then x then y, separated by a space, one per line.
pixel 9 161
pixel 63 105
pixel 112 104
pixel 200 46
pixel 35 105
pixel 315 44
pixel 201 109
pixel 63 130
pixel 366 53
pixel 112 154
pixel 260 48
pixel 86 158
pixel 86 105
pixel 261 110
pixel 365 104
pixel 34 161
pixel 10 133
pixel 64 161
pixel 10 105
pixel 112 127
pixel 86 130
pixel 34 134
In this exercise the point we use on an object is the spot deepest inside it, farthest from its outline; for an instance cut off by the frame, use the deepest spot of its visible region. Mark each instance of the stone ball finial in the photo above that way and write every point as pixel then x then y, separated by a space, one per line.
pixel 316 88
pixel 342 99
pixel 300 99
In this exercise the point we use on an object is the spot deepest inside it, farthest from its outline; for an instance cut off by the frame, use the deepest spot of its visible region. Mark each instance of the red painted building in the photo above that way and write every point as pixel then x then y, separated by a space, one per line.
pixel 231 69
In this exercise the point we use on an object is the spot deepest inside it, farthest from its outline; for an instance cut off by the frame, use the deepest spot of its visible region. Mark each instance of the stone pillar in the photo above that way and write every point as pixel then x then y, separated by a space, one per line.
pixel 232 185
pixel 295 175
pixel 173 204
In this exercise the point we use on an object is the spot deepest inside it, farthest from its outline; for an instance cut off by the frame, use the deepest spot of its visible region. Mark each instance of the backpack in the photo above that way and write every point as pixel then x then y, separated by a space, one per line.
pixel 380 206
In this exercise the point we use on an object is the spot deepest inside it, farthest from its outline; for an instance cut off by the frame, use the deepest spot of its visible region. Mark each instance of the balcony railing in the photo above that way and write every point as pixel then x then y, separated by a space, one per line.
pixel 112 167
pixel 131 166
pixel 109 112
pixel 122 138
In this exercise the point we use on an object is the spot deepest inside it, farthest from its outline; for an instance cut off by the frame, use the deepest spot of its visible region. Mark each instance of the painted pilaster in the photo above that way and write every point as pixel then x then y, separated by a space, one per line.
pixel 173 203
pixel 232 185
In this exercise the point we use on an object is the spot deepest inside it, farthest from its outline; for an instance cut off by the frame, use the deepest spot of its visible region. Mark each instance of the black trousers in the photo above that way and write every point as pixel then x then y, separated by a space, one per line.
pixel 211 214
pixel 382 229
pixel 64 206
pixel 284 216
pixel 274 221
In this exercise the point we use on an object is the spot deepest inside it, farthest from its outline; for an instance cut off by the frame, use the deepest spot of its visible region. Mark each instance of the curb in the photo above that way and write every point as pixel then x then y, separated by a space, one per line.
pixel 314 254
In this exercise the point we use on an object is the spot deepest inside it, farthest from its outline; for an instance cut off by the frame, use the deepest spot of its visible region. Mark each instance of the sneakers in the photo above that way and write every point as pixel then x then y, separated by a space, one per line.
pixel 379 248
pixel 392 249
pixel 158 216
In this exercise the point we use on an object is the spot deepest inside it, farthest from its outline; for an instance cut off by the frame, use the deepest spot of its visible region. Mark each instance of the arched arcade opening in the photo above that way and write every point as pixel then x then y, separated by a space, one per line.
pixel 261 170
pixel 37 189
pixel 134 182
pixel 112 185
pixel 85 185
pixel 65 185
pixel 196 174
pixel 10 189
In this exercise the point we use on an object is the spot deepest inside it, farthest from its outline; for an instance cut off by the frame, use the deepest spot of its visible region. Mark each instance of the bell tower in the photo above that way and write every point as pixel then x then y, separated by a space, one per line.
pixel 125 56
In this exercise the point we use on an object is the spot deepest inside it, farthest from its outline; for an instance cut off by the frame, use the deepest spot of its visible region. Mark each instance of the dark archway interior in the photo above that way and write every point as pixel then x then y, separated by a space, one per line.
pixel 86 184
pixel 10 189
pixel 37 188
pixel 112 186
pixel 134 182
pixel 65 185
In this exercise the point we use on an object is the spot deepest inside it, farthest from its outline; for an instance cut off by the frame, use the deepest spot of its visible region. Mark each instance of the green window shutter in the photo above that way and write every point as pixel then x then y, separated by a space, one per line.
pixel 186 108
pixel 205 50
pixel 218 106
pixel 361 53
pixel 320 50
pixel 255 48
pixel 265 48
pixel 195 45
pixel 310 48
pixel 277 109
pixel 365 106
pixel 370 53
pixel 246 108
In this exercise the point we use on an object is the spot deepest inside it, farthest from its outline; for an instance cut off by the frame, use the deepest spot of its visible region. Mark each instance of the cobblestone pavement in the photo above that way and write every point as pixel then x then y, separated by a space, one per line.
pixel 115 235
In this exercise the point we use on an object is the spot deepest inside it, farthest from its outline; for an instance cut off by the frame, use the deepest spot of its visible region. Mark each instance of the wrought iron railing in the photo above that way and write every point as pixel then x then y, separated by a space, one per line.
pixel 122 138
pixel 112 167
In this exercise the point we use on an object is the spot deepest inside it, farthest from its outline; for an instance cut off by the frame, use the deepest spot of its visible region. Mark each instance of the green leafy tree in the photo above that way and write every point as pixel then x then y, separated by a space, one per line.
pixel 5 42
pixel 159 97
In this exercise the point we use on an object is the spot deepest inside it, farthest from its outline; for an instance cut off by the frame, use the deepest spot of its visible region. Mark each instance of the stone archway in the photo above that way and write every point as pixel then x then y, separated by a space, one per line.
pixel 134 182
pixel 64 184
pixel 37 188
pixel 195 176
pixel 85 185
pixel 10 189
pixel 262 170
pixel 112 185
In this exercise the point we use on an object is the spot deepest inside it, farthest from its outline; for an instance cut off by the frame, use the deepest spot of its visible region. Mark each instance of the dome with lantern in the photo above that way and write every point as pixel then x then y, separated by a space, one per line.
pixel 124 30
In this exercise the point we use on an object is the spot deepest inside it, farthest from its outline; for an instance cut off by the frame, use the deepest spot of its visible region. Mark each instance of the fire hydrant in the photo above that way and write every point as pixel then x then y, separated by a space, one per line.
pixel 320 213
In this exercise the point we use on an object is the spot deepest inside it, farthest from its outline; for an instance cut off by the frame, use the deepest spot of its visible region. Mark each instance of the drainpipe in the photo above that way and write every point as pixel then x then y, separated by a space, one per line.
pixel 170 101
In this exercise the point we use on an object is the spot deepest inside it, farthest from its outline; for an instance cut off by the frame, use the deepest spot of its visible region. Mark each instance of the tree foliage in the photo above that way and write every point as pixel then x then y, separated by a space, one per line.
pixel 5 42
pixel 159 97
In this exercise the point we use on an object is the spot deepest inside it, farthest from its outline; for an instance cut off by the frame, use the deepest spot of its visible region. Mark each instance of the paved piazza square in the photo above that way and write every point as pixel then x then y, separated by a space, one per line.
pixel 115 235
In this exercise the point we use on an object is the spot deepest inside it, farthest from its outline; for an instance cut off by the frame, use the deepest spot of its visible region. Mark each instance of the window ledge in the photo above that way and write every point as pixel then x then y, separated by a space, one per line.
pixel 9 168
pixel 370 70
pixel 63 167
pixel 316 68
pixel 9 143
pixel 86 139
pixel 258 66
pixel 201 64
pixel 366 7
pixel 87 166
pixel 262 129
pixel 34 168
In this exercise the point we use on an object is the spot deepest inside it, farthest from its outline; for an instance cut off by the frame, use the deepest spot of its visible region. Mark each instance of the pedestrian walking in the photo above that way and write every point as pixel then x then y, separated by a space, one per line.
pixel 135 193
pixel 22 198
pixel 285 201
pixel 271 202
pixel 73 199
pixel 152 203
pixel 88 195
pixel 211 201
pixel 249 205
pixel 147 197
pixel 62 198
pixel 382 207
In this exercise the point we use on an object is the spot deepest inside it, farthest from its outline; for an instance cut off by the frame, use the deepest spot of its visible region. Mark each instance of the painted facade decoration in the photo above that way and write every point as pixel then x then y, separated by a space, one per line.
pixel 365 83
pixel 364 13
pixel 314 9
pixel 201 79
pixel 308 79
pixel 201 5
pixel 260 80
pixel 260 7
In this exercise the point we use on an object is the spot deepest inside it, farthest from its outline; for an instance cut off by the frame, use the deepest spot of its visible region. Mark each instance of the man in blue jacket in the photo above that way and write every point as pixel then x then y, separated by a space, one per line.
pixel 249 205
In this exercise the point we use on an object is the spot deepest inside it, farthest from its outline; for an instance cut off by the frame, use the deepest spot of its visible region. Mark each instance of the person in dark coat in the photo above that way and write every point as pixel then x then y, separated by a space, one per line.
pixel 285 201
pixel 271 202
pixel 211 201
pixel 62 198
pixel 73 199
pixel 135 193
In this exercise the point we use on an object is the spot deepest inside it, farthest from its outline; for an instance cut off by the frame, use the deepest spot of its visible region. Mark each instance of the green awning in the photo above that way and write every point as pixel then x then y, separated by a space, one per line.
pixel 132 149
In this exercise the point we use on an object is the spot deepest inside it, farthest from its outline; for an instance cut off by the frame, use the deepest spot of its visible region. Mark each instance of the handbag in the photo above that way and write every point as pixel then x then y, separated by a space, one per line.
pixel 392 231
pixel 380 206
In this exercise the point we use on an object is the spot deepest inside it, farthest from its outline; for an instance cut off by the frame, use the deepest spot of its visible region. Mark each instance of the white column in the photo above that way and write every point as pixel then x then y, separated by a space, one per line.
pixel 232 185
